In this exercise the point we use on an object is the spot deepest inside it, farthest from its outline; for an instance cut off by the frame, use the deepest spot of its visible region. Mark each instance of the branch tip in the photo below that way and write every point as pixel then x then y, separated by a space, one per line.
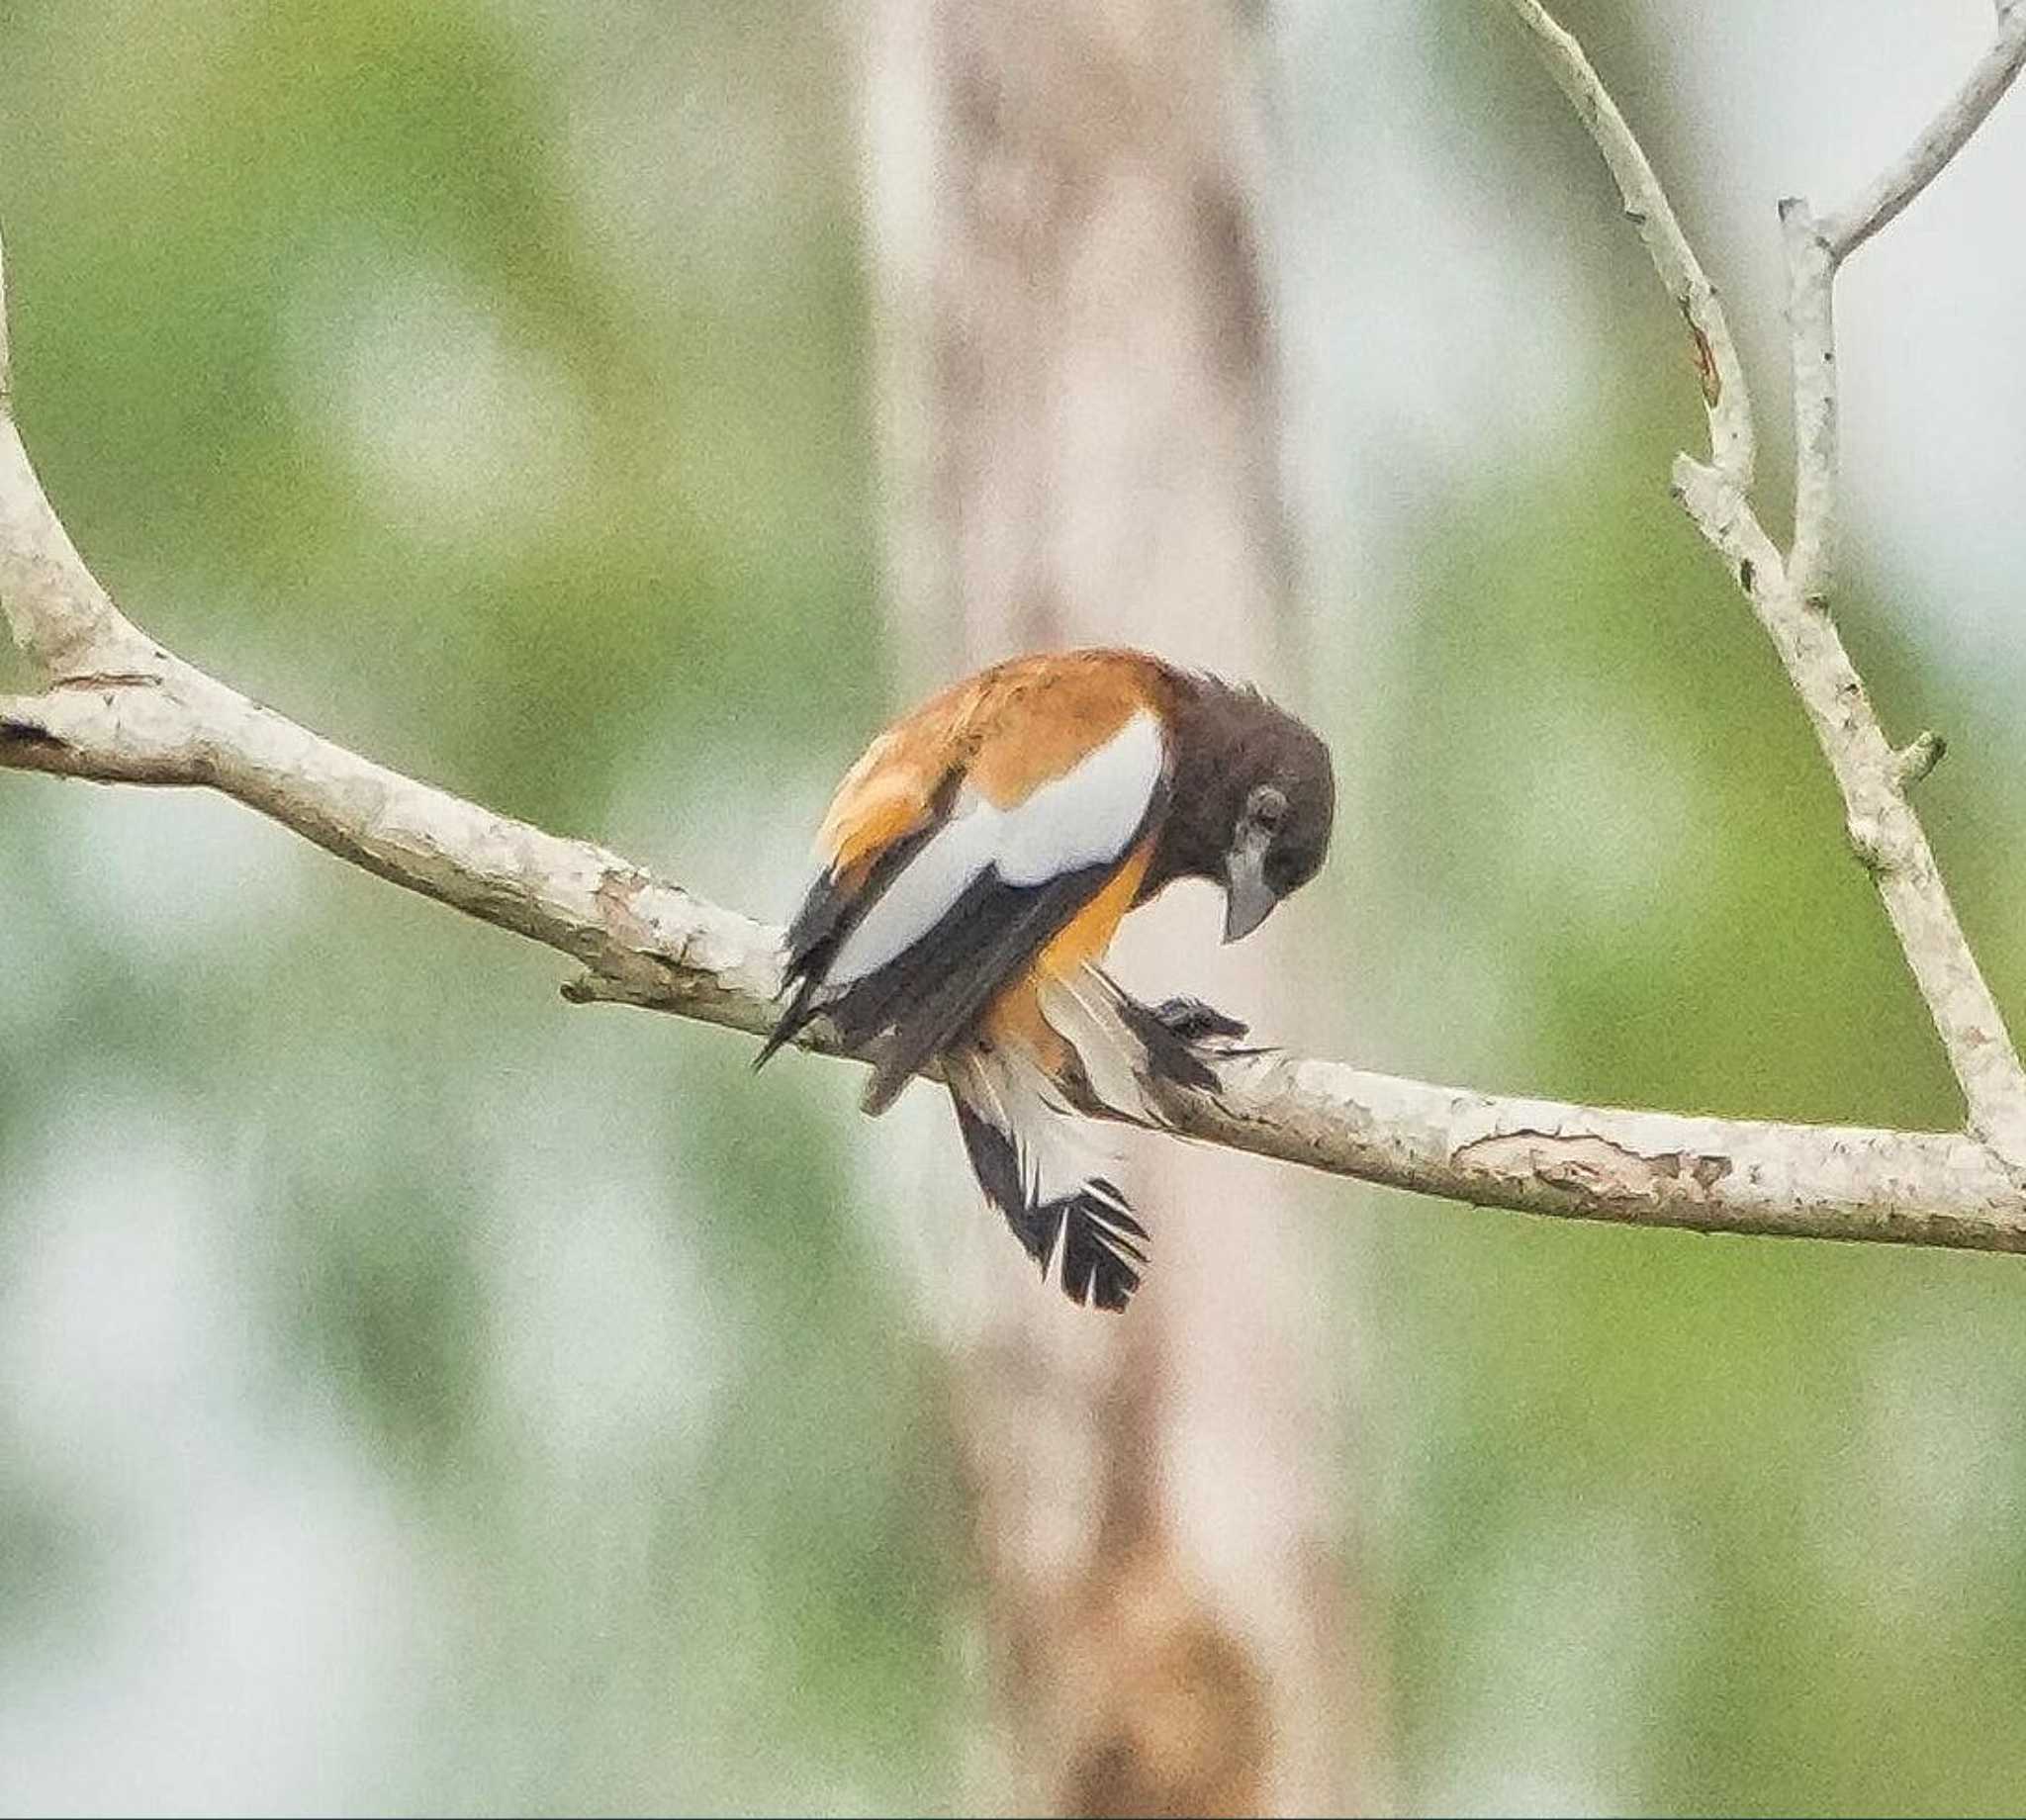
pixel 1645 203
pixel 1939 143
pixel 1917 757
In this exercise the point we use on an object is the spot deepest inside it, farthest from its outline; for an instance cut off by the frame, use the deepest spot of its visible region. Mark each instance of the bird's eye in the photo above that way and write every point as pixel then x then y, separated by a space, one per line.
pixel 1268 807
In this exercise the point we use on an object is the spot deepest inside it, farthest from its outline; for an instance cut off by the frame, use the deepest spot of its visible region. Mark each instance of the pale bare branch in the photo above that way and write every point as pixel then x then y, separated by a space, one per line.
pixel 1945 135
pixel 1733 438
pixel 1790 591
pixel 121 709
pixel 644 942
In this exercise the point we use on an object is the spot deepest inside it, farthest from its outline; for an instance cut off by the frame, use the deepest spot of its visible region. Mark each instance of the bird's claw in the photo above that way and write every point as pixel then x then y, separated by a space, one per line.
pixel 1197 1023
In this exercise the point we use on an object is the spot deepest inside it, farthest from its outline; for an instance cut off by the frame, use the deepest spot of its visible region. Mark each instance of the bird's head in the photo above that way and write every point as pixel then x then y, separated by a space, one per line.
pixel 1280 831
pixel 1253 801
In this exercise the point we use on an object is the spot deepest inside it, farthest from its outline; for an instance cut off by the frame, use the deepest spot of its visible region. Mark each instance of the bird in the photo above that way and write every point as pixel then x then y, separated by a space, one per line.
pixel 969 874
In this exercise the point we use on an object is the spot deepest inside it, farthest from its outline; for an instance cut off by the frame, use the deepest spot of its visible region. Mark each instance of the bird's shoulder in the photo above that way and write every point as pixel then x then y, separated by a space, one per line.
pixel 1005 732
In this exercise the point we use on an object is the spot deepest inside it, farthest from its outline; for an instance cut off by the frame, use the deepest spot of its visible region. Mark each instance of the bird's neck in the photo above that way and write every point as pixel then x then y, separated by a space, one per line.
pixel 1209 721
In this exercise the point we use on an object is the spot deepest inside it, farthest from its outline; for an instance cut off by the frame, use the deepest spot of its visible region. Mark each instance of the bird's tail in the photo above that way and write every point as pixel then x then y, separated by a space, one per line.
pixel 1036 1161
pixel 1032 1159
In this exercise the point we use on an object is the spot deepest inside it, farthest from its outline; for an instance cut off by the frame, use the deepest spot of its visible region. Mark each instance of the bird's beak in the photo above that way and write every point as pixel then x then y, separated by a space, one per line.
pixel 1248 898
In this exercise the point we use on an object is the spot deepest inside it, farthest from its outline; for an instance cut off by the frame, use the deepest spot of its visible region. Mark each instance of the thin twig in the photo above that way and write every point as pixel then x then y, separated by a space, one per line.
pixel 1790 592
pixel 1945 136
pixel 1732 438
pixel 1885 831
pixel 1811 336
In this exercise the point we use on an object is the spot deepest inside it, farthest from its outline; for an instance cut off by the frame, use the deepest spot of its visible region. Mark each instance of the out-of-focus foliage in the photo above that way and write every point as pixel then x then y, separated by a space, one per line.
pixel 416 1394
pixel 1681 1523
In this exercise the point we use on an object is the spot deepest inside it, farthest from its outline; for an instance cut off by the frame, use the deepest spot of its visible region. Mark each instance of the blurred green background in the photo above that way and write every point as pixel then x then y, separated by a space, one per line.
pixel 414 1393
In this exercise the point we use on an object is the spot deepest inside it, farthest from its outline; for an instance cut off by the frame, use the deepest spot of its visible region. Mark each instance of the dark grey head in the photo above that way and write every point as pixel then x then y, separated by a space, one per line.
pixel 1254 802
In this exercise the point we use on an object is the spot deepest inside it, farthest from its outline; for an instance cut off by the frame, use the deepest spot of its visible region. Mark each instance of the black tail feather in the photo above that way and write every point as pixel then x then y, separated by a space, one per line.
pixel 1103 1246
pixel 1100 1264
pixel 801 1011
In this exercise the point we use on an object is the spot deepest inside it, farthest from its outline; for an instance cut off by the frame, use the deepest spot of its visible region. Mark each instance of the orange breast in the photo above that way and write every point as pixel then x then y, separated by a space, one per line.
pixel 1090 933
pixel 1015 1015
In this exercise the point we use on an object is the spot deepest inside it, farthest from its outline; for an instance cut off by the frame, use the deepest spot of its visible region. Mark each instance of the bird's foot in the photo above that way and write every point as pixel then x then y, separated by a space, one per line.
pixel 1200 1025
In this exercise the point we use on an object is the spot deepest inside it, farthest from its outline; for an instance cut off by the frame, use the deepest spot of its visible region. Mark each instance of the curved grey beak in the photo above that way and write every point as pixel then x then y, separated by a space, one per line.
pixel 1248 898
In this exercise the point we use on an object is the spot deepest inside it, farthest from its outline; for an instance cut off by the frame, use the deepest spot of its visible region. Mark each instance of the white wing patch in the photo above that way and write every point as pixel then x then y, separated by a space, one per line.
pixel 1085 817
pixel 925 891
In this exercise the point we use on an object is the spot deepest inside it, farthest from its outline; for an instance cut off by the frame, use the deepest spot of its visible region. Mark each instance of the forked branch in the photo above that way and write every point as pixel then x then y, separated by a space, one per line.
pixel 119 708
pixel 1790 590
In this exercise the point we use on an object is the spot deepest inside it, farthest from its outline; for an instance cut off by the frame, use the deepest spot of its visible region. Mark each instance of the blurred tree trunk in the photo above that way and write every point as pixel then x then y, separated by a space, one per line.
pixel 1076 366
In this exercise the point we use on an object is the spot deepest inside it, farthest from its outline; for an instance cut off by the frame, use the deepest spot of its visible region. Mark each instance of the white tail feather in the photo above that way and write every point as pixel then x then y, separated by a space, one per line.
pixel 1039 1167
pixel 1059 1151
pixel 1082 1009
